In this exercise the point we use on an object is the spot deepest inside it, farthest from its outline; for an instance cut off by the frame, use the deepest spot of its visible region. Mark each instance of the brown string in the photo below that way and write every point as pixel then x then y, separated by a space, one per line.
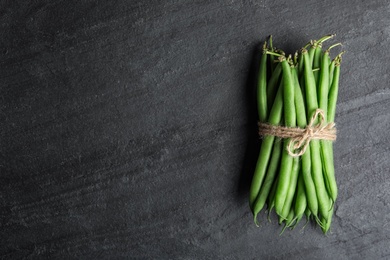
pixel 300 138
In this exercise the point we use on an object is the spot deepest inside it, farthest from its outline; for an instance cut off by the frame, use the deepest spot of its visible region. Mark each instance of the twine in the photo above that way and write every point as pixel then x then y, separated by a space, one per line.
pixel 300 138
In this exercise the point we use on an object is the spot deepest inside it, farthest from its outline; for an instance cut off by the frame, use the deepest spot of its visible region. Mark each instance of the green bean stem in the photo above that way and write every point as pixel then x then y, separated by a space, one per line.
pixel 272 57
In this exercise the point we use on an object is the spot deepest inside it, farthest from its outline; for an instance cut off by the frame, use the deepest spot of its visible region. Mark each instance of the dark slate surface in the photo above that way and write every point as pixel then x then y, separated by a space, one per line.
pixel 128 129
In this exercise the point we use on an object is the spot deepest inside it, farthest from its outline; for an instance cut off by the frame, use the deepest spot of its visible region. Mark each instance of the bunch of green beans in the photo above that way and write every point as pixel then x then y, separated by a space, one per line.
pixel 289 91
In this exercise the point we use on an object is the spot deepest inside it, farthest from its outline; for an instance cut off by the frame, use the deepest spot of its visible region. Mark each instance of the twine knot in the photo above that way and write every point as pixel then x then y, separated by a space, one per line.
pixel 300 138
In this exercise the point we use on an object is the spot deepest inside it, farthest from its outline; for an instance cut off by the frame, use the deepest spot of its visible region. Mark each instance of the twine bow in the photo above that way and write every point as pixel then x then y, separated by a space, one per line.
pixel 300 138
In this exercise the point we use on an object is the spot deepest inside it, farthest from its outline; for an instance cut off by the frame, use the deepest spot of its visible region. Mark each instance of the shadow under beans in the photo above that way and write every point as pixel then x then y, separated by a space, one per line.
pixel 252 141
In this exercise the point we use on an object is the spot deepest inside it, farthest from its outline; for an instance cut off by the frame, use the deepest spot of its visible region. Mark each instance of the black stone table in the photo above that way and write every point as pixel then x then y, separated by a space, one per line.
pixel 128 129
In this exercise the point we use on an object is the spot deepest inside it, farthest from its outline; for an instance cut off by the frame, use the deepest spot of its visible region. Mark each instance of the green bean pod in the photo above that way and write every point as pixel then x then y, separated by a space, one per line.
pixel 269 179
pixel 292 187
pixel 262 87
pixel 300 199
pixel 326 146
pixel 326 227
pixel 272 86
pixel 317 62
pixel 265 150
pixel 306 158
pixel 271 198
pixel 290 120
pixel 333 93
pixel 288 221
pixel 311 98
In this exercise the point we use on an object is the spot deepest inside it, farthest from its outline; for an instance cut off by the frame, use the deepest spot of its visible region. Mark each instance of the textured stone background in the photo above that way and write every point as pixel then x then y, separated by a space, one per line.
pixel 128 129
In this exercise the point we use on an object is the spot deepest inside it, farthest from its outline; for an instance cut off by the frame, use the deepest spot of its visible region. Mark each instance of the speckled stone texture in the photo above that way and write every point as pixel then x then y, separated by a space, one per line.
pixel 128 129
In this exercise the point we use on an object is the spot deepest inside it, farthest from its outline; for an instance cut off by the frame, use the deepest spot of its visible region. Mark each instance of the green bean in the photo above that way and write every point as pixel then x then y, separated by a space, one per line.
pixel 313 47
pixel 300 200
pixel 288 95
pixel 262 87
pixel 271 198
pixel 269 179
pixel 334 90
pixel 300 64
pixel 292 187
pixel 265 150
pixel 326 228
pixel 284 178
pixel 326 154
pixel 310 85
pixel 296 164
pixel 323 86
pixel 312 104
pixel 272 85
pixel 312 51
pixel 290 121
pixel 331 116
pixel 317 61
pixel 331 72
pixel 331 64
pixel 332 99
pixel 306 158
pixel 289 220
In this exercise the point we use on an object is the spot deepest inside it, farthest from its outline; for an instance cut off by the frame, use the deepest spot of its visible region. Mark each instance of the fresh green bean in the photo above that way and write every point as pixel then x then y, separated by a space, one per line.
pixel 289 220
pixel 290 121
pixel 317 62
pixel 312 51
pixel 262 87
pixel 310 85
pixel 292 187
pixel 326 228
pixel 306 158
pixel 326 146
pixel 331 66
pixel 331 72
pixel 300 200
pixel 269 179
pixel 323 83
pixel 271 198
pixel 312 104
pixel 333 92
pixel 265 150
pixel 288 95
pixel 296 164
pixel 272 85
